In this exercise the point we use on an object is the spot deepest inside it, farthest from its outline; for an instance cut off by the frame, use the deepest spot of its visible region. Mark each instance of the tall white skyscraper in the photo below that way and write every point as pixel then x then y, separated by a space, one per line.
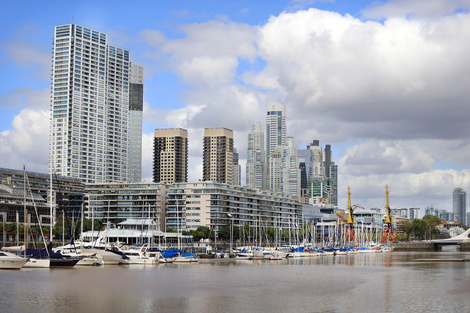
pixel 276 131
pixel 256 169
pixel 136 106
pixel 89 133
pixel 284 174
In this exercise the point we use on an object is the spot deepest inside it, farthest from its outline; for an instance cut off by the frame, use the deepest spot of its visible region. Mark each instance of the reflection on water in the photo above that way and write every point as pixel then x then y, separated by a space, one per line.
pixel 375 282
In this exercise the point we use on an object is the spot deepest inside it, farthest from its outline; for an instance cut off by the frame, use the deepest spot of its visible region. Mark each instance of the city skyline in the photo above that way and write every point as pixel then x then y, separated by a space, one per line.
pixel 384 83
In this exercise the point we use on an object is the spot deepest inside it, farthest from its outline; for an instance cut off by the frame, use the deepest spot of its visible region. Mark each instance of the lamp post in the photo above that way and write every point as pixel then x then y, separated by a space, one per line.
pixel 231 233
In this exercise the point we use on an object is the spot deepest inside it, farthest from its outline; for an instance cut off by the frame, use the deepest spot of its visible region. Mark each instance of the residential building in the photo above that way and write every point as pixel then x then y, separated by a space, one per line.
pixel 170 155
pixel 460 206
pixel 214 205
pixel 89 125
pixel 217 165
pixel 256 168
pixel 136 105
pixel 118 201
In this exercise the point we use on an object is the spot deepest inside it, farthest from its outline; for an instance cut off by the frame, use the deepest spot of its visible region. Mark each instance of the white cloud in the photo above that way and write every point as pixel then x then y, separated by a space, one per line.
pixel 27 142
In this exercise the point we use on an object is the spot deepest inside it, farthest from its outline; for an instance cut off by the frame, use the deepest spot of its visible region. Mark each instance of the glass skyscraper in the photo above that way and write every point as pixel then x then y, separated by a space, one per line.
pixel 460 206
pixel 89 133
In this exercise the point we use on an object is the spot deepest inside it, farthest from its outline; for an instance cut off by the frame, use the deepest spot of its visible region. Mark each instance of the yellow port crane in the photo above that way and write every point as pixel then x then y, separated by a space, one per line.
pixel 350 220
pixel 388 222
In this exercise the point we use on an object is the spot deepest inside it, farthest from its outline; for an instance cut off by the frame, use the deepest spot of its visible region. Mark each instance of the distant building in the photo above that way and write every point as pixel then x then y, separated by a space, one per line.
pixel 414 213
pixel 217 163
pixel 460 206
pixel 237 169
pixel 276 130
pixel 170 155
pixel 256 168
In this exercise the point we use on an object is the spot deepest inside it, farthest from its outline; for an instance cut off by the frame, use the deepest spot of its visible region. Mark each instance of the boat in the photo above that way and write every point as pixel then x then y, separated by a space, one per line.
pixel 37 263
pixel 11 261
pixel 140 256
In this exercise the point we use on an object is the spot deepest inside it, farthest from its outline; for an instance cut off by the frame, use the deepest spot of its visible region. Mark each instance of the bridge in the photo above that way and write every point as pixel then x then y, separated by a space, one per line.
pixel 457 240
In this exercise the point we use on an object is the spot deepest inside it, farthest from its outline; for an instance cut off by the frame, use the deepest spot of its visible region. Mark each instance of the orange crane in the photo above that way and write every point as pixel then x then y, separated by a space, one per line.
pixel 388 222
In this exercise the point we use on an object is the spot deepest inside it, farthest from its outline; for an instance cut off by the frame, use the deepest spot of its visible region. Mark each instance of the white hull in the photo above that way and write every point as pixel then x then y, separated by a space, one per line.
pixel 11 261
pixel 37 263
pixel 181 259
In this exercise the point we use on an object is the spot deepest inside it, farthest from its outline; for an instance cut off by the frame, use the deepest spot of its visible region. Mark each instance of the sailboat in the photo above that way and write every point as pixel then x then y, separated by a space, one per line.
pixel 32 262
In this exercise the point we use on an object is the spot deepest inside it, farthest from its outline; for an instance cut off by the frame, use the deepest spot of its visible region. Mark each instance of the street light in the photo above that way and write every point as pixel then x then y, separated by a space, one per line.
pixel 231 233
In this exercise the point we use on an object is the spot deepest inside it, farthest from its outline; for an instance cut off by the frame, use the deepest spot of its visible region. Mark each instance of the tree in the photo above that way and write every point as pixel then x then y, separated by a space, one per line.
pixel 419 228
pixel 407 228
pixel 432 222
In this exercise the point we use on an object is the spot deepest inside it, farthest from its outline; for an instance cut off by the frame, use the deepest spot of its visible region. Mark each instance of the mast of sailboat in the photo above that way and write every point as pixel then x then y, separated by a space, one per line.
pixel 25 211
pixel 50 205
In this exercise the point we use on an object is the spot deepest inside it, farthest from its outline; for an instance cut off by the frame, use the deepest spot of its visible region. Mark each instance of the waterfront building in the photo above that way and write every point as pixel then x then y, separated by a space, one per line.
pixel 67 193
pixel 89 125
pixel 460 206
pixel 276 131
pixel 256 168
pixel 118 201
pixel 217 164
pixel 214 205
pixel 170 155
pixel 136 106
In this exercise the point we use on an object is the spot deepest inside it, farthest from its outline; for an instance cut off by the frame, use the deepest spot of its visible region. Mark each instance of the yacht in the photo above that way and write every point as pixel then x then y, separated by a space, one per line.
pixel 11 261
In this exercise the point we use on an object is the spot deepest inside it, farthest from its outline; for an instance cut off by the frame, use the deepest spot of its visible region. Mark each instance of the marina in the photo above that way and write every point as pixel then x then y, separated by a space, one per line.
pixel 361 282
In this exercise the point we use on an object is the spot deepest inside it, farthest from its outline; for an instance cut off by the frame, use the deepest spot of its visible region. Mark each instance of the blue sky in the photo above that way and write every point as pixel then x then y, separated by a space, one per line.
pixel 384 82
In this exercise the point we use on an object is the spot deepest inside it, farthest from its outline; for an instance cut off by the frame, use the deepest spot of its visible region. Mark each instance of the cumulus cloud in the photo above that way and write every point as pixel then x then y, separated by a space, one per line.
pixel 27 141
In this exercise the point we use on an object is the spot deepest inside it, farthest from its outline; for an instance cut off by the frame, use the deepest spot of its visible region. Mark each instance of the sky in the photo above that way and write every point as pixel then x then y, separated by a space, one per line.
pixel 385 83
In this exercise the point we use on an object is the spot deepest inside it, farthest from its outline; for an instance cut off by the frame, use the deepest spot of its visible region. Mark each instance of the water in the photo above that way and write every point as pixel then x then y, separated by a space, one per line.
pixel 379 282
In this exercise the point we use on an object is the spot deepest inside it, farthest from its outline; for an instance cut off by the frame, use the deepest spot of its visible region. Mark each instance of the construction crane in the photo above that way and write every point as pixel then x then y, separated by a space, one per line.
pixel 348 220
pixel 388 222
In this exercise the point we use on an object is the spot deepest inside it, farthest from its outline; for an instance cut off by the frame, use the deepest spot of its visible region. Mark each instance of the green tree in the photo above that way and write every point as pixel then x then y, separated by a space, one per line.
pixel 407 228
pixel 419 228
pixel 432 223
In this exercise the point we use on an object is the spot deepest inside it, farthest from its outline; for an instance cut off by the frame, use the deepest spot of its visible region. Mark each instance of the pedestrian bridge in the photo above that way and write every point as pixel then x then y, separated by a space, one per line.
pixel 457 240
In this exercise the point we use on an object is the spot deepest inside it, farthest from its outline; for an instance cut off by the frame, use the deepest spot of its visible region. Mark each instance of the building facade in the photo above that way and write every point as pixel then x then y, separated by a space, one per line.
pixel 170 155
pixel 119 201
pixel 276 130
pixel 89 130
pixel 214 205
pixel 459 198
pixel 136 106
pixel 256 169
pixel 217 163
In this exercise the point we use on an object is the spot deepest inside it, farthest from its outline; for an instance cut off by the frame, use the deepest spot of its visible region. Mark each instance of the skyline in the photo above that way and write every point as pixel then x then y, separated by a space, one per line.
pixel 383 83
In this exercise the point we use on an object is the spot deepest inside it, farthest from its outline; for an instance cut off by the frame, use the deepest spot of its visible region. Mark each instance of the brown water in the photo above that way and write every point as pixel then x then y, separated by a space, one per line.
pixel 380 282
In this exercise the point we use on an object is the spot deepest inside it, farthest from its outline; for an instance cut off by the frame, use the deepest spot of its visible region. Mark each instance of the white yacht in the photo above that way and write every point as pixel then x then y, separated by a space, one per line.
pixel 11 261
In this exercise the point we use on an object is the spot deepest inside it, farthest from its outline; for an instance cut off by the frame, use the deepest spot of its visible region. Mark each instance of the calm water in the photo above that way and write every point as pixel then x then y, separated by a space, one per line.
pixel 381 282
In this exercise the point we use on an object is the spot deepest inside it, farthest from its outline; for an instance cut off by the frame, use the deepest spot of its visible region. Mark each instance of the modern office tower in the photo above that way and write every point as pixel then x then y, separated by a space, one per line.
pixel 305 161
pixel 89 133
pixel 275 127
pixel 217 163
pixel 256 169
pixel 136 105
pixel 460 206
pixel 237 170
pixel 323 183
pixel 284 174
pixel 170 155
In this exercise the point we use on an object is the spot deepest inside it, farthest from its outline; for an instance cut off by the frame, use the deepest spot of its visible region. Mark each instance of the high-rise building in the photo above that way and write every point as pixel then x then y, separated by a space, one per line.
pixel 170 155
pixel 136 105
pixel 89 131
pixel 256 169
pixel 323 182
pixel 217 163
pixel 237 169
pixel 460 206
pixel 276 131
pixel 284 175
